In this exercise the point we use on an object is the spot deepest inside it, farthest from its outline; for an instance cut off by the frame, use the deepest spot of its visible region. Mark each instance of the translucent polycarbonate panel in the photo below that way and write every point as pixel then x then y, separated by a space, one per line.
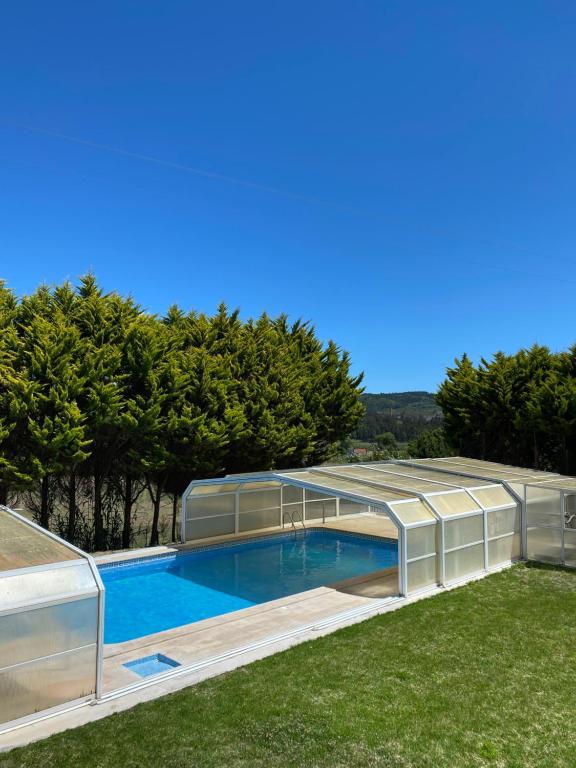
pixel 433 475
pixel 421 540
pixel 351 508
pixel 292 512
pixel 497 496
pixel 463 562
pixel 570 546
pixel 22 545
pixel 47 683
pixel 263 518
pixel 29 634
pixel 543 506
pixel 421 573
pixel 518 488
pixel 210 526
pixel 501 521
pixel 334 485
pixel 318 510
pixel 503 550
pixel 412 512
pixel 208 506
pixel 456 503
pixel 544 544
pixel 292 493
pixel 570 511
pixel 23 588
pixel 465 530
pixel 313 496
pixel 260 485
pixel 384 475
pixel 254 500
pixel 202 490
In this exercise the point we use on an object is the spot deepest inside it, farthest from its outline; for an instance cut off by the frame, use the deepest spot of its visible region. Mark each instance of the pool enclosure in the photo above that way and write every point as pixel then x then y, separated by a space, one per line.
pixel 51 621
pixel 548 501
pixel 448 526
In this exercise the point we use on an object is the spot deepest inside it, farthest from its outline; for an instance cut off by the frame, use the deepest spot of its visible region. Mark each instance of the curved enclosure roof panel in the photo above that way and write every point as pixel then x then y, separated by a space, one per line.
pixel 345 485
pixel 22 546
pixel 480 468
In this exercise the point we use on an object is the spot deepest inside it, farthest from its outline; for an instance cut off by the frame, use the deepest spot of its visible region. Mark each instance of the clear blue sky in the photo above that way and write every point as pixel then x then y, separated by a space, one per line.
pixel 401 173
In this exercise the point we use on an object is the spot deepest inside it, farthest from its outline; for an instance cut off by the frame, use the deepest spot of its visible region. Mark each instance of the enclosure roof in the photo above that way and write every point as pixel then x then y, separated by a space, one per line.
pixel 488 470
pixel 23 546
pixel 414 492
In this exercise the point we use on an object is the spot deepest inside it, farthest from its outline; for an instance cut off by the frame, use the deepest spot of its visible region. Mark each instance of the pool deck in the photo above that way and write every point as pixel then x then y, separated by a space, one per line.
pixel 205 639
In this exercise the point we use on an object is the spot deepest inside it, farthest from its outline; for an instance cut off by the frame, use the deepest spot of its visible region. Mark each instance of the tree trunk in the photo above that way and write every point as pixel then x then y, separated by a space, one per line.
pixel 44 503
pixel 71 535
pixel 99 539
pixel 127 526
pixel 156 498
pixel 174 515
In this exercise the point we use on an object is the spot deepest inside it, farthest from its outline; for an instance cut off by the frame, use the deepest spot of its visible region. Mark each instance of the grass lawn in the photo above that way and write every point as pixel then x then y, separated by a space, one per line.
pixel 481 676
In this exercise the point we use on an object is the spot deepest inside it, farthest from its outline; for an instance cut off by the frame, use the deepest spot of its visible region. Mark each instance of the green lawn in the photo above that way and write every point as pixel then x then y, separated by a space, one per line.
pixel 481 676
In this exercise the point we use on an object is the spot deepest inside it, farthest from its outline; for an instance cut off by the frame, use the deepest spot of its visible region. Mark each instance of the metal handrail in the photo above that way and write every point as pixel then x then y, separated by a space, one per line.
pixel 292 521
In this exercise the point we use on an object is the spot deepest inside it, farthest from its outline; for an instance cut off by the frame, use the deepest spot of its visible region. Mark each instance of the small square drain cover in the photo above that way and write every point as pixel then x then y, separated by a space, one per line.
pixel 151 665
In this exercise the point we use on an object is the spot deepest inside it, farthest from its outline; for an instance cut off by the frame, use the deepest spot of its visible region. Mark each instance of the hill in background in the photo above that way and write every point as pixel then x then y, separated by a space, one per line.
pixel 404 414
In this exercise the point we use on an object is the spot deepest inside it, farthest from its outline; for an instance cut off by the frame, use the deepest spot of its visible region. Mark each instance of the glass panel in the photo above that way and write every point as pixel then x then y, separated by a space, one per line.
pixel 202 490
pixel 502 521
pixel 457 503
pixel 463 531
pixel 570 547
pixel 421 573
pixel 211 526
pixel 351 508
pixel 292 493
pixel 47 683
pixel 543 506
pixel 316 510
pixel 545 544
pixel 27 635
pixel 503 550
pixel 25 588
pixel 421 541
pixel 464 561
pixel 493 497
pixel 254 500
pixel 412 512
pixel 223 504
pixel 267 518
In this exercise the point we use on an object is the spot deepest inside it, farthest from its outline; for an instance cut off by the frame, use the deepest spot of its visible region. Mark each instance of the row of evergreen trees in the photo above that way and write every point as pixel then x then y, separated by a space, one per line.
pixel 518 409
pixel 101 402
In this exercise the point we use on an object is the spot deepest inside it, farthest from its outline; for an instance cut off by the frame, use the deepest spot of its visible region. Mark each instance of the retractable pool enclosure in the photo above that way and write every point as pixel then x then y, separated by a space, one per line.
pixel 449 526
pixel 51 620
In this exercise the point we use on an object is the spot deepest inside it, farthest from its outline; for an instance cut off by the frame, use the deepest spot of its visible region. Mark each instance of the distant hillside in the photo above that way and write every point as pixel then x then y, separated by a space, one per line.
pixel 394 403
pixel 405 414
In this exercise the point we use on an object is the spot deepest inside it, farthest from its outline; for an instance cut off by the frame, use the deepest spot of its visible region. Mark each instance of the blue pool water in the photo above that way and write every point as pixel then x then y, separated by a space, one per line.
pixel 162 593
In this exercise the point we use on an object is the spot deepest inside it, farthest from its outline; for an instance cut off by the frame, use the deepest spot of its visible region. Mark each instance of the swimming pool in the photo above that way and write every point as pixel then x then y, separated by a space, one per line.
pixel 165 592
